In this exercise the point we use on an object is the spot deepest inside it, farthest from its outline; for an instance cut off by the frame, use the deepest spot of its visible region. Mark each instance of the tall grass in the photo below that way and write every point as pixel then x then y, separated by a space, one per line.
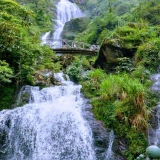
pixel 128 96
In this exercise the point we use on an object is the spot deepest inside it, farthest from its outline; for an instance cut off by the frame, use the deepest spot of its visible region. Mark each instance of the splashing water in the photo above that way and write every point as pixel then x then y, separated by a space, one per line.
pixel 49 127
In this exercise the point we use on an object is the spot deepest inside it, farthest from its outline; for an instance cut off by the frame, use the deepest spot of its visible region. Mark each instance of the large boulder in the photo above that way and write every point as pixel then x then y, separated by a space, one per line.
pixel 109 53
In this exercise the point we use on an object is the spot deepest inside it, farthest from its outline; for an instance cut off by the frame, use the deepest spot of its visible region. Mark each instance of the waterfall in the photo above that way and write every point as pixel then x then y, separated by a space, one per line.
pixel 66 11
pixel 154 133
pixel 49 127
pixel 109 152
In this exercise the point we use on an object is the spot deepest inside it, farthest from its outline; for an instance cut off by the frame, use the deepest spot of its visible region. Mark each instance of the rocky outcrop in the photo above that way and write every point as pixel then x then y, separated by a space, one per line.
pixel 123 43
pixel 101 136
pixel 109 53
pixel 75 26
pixel 45 78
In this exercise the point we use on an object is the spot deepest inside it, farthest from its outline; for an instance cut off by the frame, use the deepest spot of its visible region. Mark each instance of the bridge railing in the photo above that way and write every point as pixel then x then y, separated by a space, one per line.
pixel 69 44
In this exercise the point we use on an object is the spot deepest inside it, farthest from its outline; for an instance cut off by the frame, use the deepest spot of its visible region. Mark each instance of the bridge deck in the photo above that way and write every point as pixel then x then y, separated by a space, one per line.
pixel 63 46
pixel 75 51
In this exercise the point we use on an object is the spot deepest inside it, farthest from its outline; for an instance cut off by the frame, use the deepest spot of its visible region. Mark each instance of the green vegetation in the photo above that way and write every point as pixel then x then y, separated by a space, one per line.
pixel 78 66
pixel 122 98
pixel 43 14
pixel 148 55
pixel 6 96
pixel 107 15
pixel 123 102
pixel 20 52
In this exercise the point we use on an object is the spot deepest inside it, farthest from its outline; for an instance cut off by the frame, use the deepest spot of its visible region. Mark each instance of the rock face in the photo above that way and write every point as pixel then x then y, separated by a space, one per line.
pixel 100 134
pixel 101 137
pixel 74 26
pixel 45 78
pixel 81 2
pixel 109 53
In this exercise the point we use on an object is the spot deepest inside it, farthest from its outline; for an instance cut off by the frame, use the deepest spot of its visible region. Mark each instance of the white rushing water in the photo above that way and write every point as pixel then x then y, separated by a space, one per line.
pixel 154 134
pixel 109 152
pixel 66 11
pixel 49 127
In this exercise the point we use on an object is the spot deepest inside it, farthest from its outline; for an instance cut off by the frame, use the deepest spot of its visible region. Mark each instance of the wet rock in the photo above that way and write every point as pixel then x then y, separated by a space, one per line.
pixel 101 135
pixel 154 120
pixel 119 147
pixel 45 78
pixel 3 140
pixel 23 96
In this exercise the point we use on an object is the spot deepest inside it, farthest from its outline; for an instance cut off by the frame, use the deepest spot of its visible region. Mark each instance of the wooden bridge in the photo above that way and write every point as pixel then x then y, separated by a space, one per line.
pixel 63 46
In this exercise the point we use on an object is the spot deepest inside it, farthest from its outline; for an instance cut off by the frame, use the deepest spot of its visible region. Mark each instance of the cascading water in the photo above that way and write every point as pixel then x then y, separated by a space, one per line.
pixel 66 11
pixel 154 133
pixel 49 127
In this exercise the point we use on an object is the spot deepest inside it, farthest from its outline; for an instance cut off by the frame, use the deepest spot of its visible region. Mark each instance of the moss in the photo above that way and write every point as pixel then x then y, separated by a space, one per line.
pixel 137 143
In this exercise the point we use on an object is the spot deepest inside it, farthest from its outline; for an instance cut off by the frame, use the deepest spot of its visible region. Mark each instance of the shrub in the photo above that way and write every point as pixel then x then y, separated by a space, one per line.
pixel 74 71
pixel 91 82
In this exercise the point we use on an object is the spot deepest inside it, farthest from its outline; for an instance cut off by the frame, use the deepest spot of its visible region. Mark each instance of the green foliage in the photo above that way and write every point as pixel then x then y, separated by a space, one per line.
pixel 6 96
pixel 143 75
pixel 44 12
pixel 148 11
pixel 6 72
pixel 10 8
pixel 91 3
pixel 97 27
pixel 85 63
pixel 135 147
pixel 91 83
pixel 122 106
pixel 20 49
pixel 75 71
pixel 105 17
pixel 148 55
pixel 123 8
pixel 124 64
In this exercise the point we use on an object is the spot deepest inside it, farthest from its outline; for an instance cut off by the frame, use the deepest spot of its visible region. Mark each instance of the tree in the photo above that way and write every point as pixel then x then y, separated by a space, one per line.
pixel 5 72
pixel 18 48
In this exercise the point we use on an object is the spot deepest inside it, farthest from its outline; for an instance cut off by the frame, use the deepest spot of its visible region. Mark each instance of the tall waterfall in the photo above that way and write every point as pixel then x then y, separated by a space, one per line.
pixel 66 11
pixel 49 127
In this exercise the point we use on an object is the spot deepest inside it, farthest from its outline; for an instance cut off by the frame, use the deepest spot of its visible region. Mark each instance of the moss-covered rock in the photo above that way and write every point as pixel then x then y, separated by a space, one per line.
pixel 75 26
pixel 110 52
pixel 125 42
